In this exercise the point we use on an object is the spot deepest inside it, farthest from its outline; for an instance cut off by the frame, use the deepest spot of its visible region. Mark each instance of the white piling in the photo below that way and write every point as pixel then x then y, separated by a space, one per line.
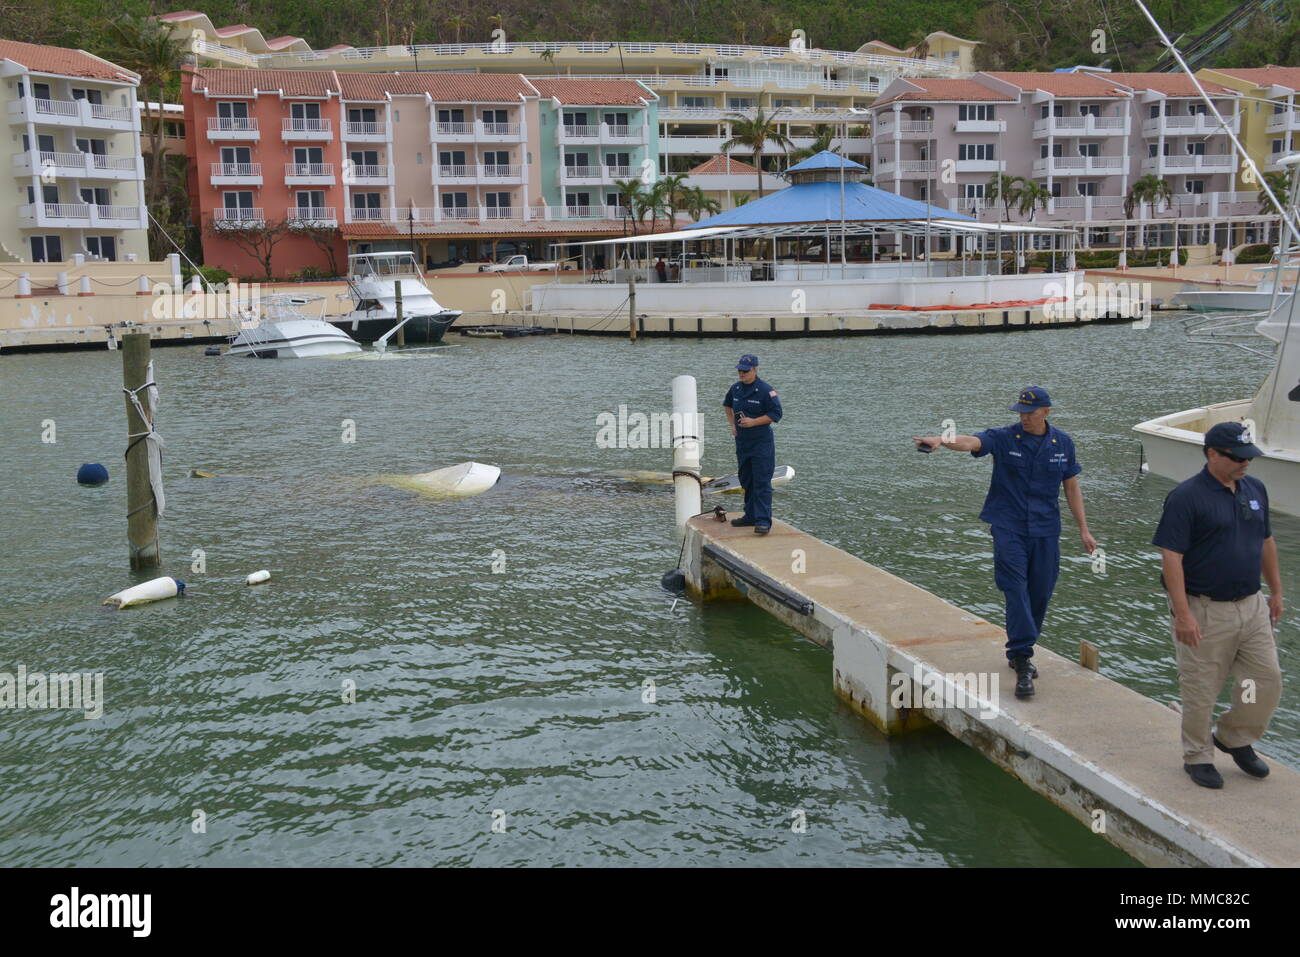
pixel 686 451
pixel 24 286
pixel 174 262
pixel 62 283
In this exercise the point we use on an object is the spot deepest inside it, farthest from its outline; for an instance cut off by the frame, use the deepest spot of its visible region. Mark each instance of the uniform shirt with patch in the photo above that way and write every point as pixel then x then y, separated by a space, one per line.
pixel 754 400
pixel 1025 489
pixel 1219 534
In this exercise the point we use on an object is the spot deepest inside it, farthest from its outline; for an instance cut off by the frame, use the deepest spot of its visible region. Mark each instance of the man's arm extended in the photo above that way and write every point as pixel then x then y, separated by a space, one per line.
pixel 1074 496
pixel 1186 628
pixel 748 423
pixel 960 443
pixel 731 420
pixel 1273 578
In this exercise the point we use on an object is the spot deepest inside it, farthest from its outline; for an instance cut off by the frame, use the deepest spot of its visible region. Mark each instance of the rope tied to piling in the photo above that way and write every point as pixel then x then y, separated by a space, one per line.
pixel 153 441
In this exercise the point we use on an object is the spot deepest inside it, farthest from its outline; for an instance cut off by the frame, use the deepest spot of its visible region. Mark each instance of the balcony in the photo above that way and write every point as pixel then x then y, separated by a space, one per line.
pixel 906 169
pixel 247 218
pixel 74 113
pixel 978 165
pixel 1198 125
pixel 1079 165
pixel 501 174
pixel 78 165
pixel 492 175
pixel 233 129
pixel 980 126
pixel 309 174
pixel 236 174
pixel 320 217
pixel 904 129
pixel 455 132
pixel 594 175
pixel 602 133
pixel 355 174
pixel 1287 121
pixel 321 131
pixel 1196 163
pixel 478 132
pixel 80 216
pixel 499 132
pixel 455 174
pixel 367 132
pixel 1088 125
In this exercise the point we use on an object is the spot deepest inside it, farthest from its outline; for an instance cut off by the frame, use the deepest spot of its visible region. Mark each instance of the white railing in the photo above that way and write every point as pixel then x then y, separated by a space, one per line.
pixel 232 124
pixel 360 172
pixel 501 212
pixel 365 128
pixel 457 172
pixel 55 107
pixel 57 210
pixel 501 129
pixel 379 214
pixel 311 214
pixel 499 172
pixel 307 126
pixel 103 162
pixel 459 212
pixel 223 214
pixel 455 129
pixel 314 170
pixel 236 169
pixel 113 114
pixel 919 166
pixel 575 130
pixel 128 213
pixel 582 172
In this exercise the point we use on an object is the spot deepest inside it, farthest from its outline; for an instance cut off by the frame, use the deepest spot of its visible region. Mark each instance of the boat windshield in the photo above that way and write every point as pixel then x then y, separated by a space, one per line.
pixel 383 265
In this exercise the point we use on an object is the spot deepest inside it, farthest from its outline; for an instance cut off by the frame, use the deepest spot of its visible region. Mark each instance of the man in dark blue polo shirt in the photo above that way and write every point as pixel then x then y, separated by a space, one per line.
pixel 1032 461
pixel 752 407
pixel 1215 541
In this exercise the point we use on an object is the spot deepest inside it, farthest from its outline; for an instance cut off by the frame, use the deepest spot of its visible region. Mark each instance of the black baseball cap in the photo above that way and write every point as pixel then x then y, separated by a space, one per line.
pixel 1232 437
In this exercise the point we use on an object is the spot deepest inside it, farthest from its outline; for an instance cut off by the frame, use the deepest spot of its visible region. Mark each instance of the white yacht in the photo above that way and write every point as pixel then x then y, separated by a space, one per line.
pixel 1259 299
pixel 373 280
pixel 276 327
pixel 1172 444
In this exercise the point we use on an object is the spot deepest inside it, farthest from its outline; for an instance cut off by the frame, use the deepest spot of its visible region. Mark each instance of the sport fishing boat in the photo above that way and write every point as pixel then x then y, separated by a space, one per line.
pixel 1172 444
pixel 373 283
pixel 276 327
pixel 1258 299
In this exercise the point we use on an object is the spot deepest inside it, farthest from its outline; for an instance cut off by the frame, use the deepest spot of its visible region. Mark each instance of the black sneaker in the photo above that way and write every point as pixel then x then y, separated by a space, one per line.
pixel 1206 775
pixel 1025 672
pixel 1033 670
pixel 742 522
pixel 1246 759
pixel 762 529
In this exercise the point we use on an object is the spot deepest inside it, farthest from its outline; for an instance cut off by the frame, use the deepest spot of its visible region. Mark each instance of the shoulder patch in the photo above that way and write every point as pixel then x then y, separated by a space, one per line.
pixel 772 393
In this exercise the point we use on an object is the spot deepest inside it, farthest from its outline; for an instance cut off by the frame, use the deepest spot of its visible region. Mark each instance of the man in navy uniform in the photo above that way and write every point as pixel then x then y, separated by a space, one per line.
pixel 1032 461
pixel 752 407
pixel 1215 542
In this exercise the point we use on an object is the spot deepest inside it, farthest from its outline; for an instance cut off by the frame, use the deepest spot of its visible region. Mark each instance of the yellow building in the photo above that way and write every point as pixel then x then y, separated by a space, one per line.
pixel 1269 117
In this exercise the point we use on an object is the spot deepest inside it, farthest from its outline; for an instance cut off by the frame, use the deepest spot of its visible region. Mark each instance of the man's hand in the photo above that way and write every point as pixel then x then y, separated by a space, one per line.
pixel 1089 543
pixel 1187 629
pixel 1274 607
pixel 932 442
pixel 742 420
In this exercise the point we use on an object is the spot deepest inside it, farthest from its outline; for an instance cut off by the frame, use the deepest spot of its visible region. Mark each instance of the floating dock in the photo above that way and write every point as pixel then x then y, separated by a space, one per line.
pixel 1103 753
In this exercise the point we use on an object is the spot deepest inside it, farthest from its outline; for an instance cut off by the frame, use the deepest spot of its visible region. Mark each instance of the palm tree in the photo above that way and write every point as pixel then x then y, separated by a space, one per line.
pixel 1149 189
pixel 653 201
pixel 1031 196
pixel 549 56
pixel 698 202
pixel 1280 183
pixel 146 46
pixel 1005 189
pixel 825 136
pixel 630 198
pixel 740 199
pixel 754 135
pixel 674 193
pixel 457 23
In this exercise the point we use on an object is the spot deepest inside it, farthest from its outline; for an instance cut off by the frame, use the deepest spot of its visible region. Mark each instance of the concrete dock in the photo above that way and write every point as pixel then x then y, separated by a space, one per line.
pixel 1103 753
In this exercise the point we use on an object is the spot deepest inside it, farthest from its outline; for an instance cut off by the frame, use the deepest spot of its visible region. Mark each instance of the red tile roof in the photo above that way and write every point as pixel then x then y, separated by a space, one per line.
pixel 1088 85
pixel 722 166
pixel 45 59
pixel 442 87
pixel 1288 76
pixel 1170 84
pixel 218 81
pixel 578 92
pixel 954 90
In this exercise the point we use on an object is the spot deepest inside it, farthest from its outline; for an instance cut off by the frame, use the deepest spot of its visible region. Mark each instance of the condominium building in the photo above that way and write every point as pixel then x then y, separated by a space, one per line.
pixel 1085 137
pixel 460 165
pixel 702 87
pixel 74 149
pixel 1270 113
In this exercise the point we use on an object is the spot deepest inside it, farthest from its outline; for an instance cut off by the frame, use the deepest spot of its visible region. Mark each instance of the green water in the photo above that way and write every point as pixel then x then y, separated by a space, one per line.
pixel 522 691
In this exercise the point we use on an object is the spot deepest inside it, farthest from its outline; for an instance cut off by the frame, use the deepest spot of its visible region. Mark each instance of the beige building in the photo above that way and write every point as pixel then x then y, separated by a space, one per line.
pixel 73 157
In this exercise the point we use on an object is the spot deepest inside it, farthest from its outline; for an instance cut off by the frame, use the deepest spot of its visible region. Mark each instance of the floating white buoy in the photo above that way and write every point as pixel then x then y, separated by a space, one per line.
pixel 468 478
pixel 258 577
pixel 153 590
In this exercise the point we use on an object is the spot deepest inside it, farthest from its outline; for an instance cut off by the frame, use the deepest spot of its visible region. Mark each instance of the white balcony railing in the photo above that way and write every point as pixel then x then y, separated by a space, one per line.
pixel 245 216
pixel 457 171
pixel 309 170
pixel 455 129
pixel 311 214
pixel 307 127
pixel 500 129
pixel 578 130
pixel 232 124
pixel 237 170
pixel 365 128
pixel 357 173
pixel 500 172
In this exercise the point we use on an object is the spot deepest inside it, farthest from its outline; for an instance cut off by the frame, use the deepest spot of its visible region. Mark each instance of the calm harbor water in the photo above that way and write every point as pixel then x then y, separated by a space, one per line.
pixel 521 690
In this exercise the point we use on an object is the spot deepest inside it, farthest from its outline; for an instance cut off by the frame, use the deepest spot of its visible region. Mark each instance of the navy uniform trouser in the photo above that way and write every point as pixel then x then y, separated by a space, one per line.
pixel 1025 568
pixel 756 466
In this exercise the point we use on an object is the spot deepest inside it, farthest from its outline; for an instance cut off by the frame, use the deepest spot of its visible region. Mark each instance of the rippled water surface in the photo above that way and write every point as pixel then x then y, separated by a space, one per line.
pixel 522 691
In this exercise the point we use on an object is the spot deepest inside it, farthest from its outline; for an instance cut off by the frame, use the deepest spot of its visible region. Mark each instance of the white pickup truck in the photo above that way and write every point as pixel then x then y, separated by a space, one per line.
pixel 518 264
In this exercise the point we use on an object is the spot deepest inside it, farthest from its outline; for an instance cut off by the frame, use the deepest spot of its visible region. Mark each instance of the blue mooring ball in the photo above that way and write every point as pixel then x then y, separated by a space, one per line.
pixel 92 473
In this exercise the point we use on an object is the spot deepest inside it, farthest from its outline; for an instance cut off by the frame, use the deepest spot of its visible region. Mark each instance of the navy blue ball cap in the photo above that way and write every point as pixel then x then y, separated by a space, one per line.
pixel 1030 398
pixel 1232 437
pixel 747 362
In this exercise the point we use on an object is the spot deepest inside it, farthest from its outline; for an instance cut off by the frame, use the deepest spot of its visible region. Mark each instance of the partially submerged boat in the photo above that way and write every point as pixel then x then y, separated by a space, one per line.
pixel 373 283
pixel 277 327
pixel 1258 299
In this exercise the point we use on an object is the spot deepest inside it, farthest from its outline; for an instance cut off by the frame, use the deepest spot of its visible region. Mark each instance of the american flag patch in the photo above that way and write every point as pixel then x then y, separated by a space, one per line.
pixel 772 393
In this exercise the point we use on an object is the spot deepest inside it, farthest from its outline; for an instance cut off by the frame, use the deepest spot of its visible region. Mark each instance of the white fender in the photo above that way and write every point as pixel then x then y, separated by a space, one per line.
pixel 153 590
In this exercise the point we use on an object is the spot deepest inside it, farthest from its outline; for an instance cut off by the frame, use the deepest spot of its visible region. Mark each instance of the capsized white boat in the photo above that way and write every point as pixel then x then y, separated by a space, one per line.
pixel 276 327
pixel 373 280
pixel 456 481
pixel 1172 444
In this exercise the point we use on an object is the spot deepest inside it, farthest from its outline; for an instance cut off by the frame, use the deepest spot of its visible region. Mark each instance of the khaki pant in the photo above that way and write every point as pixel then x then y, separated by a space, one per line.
pixel 1236 639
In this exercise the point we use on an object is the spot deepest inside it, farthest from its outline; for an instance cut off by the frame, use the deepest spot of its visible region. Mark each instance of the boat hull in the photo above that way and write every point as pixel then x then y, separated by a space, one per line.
pixel 296 339
pixel 1224 301
pixel 419 330
pixel 1172 448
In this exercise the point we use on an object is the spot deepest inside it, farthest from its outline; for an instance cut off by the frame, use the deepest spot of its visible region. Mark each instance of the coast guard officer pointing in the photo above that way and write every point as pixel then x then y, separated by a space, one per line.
pixel 1031 462
pixel 752 407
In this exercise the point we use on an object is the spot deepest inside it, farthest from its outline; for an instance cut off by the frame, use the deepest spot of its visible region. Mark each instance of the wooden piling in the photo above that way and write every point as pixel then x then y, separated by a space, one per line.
pixel 397 301
pixel 631 310
pixel 1088 655
pixel 141 516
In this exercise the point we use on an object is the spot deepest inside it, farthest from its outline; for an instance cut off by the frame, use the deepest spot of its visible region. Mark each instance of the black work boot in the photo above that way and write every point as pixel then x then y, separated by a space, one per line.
pixel 1246 759
pixel 742 522
pixel 1025 672
pixel 1206 775
pixel 1033 670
